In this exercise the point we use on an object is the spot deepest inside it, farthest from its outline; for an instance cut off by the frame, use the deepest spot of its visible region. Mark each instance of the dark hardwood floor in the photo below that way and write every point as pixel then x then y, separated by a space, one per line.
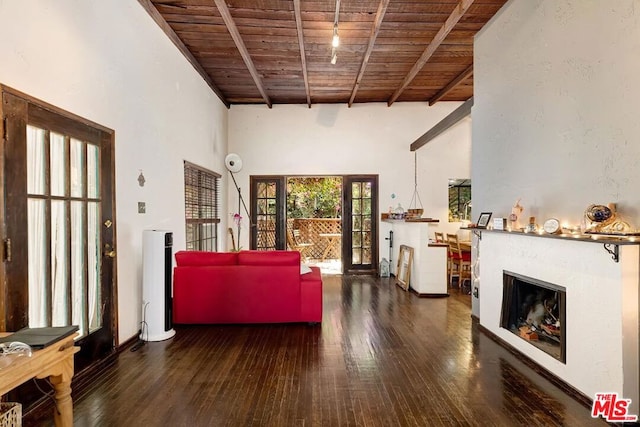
pixel 381 357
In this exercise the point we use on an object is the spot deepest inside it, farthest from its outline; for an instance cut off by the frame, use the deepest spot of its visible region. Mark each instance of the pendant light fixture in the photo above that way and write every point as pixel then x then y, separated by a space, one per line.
pixel 335 40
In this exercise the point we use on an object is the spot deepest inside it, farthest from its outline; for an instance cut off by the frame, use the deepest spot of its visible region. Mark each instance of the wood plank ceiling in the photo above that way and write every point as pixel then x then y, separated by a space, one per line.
pixel 279 51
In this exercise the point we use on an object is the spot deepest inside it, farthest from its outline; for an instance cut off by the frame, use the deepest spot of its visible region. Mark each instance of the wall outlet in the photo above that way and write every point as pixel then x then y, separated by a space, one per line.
pixel 142 207
pixel 476 291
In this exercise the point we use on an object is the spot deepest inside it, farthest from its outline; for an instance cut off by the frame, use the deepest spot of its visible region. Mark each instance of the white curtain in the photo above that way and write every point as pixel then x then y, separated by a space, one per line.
pixel 78 242
pixel 59 253
pixel 82 217
pixel 36 227
pixel 94 243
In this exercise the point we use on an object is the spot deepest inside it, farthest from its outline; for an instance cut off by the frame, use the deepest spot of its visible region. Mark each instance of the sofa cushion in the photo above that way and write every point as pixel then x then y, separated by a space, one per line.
pixel 269 258
pixel 200 258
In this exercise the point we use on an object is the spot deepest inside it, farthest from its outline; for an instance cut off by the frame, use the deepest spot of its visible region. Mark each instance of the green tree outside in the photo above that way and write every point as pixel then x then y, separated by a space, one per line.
pixel 314 197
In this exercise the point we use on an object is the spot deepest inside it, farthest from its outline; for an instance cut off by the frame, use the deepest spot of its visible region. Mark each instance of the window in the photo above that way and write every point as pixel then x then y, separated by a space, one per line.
pixel 459 199
pixel 201 197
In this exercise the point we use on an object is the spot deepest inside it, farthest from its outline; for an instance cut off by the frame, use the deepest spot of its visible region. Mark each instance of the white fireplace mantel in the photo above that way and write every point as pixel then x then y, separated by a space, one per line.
pixel 602 332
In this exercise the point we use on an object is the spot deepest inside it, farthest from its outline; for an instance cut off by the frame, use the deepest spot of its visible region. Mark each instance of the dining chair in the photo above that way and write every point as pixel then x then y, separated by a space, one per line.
pixel 459 262
pixel 439 237
pixel 293 240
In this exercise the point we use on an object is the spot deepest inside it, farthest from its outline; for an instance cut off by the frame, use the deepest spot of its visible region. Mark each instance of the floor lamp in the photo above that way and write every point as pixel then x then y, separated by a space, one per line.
pixel 233 162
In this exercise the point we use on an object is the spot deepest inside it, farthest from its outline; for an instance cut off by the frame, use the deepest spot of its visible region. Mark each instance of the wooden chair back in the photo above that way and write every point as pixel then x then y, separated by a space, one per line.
pixel 439 237
pixel 454 245
pixel 293 236
pixel 459 266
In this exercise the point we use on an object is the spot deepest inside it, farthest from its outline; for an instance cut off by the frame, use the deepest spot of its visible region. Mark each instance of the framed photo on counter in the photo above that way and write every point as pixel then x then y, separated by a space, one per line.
pixel 483 221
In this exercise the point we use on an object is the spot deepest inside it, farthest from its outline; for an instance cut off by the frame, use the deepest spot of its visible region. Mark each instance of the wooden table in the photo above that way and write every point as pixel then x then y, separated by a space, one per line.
pixel 332 244
pixel 54 362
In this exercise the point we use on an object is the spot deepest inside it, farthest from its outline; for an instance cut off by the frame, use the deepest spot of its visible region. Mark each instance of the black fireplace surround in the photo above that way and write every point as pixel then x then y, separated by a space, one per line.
pixel 536 306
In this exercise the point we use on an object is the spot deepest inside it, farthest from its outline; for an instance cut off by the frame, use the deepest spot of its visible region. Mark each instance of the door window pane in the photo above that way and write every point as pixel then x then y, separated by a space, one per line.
pixel 366 190
pixel 366 256
pixel 78 263
pixel 58 164
pixel 93 256
pixel 366 210
pixel 356 239
pixel 357 206
pixel 356 257
pixel 38 297
pixel 59 259
pixel 355 190
pixel 271 190
pixel 35 160
pixel 357 223
pixel 77 168
pixel 93 171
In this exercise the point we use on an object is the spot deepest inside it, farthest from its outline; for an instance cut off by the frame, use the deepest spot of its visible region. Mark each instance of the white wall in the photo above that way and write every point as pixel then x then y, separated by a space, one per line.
pixel 332 139
pixel 555 123
pixel 109 62
pixel 555 115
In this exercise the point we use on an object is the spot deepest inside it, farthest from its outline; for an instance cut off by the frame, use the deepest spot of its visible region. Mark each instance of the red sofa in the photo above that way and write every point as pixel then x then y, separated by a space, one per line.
pixel 244 287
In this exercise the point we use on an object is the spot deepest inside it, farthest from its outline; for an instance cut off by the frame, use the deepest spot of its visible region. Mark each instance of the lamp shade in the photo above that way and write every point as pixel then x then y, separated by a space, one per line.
pixel 233 162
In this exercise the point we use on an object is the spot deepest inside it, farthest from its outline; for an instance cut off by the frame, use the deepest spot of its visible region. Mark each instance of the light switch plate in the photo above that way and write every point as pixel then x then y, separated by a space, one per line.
pixel 142 207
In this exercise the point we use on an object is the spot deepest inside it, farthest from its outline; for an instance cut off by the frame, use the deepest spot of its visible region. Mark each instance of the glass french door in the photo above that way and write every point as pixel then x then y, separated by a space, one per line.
pixel 360 224
pixel 268 202
pixel 59 228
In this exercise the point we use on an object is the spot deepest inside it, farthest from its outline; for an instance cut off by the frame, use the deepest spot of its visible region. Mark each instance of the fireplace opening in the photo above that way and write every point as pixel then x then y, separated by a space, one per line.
pixel 534 310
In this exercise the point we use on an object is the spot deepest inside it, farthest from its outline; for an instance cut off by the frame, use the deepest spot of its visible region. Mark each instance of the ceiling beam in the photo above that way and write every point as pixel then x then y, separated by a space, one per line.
pixel 442 33
pixel 382 9
pixel 164 26
pixel 303 57
pixel 452 84
pixel 454 117
pixel 235 35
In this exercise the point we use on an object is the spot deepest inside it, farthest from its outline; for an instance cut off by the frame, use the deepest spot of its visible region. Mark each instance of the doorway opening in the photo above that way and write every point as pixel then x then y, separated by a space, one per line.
pixel 331 220
pixel 314 220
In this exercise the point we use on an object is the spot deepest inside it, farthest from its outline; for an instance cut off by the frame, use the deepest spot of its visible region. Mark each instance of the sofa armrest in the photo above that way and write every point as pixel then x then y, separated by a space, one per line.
pixel 311 296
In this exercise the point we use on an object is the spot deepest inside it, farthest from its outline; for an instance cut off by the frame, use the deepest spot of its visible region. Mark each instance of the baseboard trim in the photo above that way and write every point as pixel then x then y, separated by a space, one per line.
pixel 577 395
pixel 413 291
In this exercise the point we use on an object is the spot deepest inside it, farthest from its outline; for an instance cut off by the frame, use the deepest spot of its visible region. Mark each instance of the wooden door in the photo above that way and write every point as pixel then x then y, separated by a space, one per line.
pixel 58 224
pixel 268 217
pixel 360 224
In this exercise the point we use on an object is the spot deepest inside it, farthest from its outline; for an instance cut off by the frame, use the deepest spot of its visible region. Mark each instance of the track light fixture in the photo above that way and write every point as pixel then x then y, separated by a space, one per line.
pixel 335 40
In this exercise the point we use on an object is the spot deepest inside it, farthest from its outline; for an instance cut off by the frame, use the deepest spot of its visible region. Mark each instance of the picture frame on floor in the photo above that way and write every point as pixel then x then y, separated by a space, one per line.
pixel 405 260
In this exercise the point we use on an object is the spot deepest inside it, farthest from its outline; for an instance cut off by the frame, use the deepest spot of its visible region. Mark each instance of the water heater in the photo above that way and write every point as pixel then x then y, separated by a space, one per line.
pixel 156 285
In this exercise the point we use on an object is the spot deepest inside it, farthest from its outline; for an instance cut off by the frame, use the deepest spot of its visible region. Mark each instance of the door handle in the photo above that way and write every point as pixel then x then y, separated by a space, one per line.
pixel 109 251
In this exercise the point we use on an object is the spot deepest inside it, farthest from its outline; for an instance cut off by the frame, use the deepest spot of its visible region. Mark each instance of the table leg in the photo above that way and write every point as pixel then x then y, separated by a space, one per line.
pixel 63 413
pixel 60 376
